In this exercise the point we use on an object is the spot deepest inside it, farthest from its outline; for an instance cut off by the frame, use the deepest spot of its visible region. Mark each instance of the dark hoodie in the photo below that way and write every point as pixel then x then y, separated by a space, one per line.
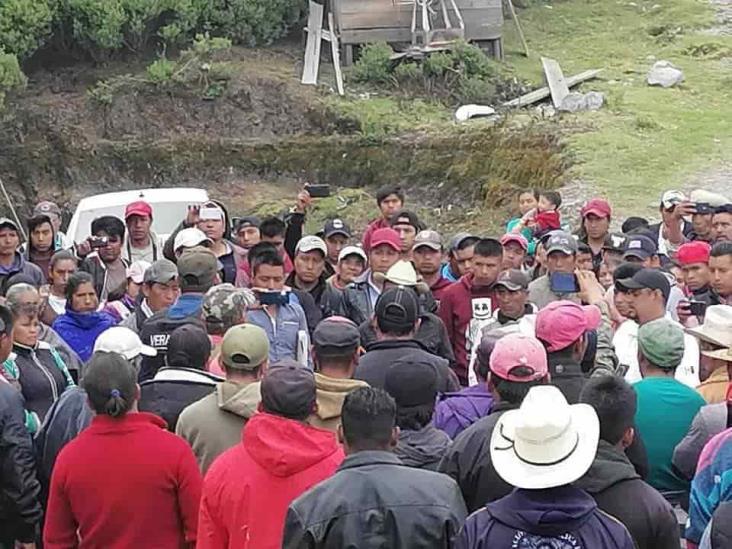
pixel 20 265
pixel 422 449
pixel 613 482
pixel 563 517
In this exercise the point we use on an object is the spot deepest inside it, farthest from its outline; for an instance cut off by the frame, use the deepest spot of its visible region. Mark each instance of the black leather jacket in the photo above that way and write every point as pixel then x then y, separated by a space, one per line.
pixel 376 501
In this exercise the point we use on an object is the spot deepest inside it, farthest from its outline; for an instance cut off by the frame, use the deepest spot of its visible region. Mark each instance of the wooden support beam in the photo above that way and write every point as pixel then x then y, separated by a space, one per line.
pixel 543 93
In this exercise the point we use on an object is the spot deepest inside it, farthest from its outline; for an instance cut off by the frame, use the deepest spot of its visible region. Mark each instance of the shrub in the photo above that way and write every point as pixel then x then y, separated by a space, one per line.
pixel 161 71
pixel 11 77
pixel 24 25
pixel 97 25
pixel 374 64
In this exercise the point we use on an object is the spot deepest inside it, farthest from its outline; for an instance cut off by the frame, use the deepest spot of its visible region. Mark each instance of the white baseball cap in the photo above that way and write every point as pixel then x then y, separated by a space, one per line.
pixel 122 341
pixel 188 238
pixel 136 271
pixel 310 243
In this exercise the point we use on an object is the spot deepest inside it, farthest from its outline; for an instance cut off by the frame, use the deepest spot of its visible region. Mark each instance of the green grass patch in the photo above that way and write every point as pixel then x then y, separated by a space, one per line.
pixel 647 138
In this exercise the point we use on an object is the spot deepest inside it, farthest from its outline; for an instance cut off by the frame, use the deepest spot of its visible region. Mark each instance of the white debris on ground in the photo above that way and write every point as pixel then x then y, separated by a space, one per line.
pixel 665 74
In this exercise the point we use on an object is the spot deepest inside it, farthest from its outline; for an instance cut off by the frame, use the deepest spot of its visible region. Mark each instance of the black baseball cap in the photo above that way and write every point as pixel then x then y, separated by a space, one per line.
pixel 288 390
pixel 405 217
pixel 652 279
pixel 336 226
pixel 189 347
pixel 397 309
pixel 336 335
pixel 247 221
pixel 640 246
pixel 412 383
pixel 615 242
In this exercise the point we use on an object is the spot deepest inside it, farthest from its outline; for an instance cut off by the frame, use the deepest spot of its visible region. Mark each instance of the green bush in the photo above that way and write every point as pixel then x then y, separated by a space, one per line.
pixel 24 25
pixel 96 25
pixel 11 77
pixel 374 64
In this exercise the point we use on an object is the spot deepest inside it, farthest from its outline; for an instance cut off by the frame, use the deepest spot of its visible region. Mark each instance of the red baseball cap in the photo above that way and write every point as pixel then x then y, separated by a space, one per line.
pixel 561 323
pixel 517 238
pixel 519 350
pixel 386 236
pixel 693 252
pixel 598 207
pixel 138 208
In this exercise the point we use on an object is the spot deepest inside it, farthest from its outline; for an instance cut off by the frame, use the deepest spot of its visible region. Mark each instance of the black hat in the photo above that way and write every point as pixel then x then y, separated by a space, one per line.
pixel 396 309
pixel 336 226
pixel 652 279
pixel 640 246
pixel 725 208
pixel 406 217
pixel 247 221
pixel 412 383
pixel 188 347
pixel 288 390
pixel 336 335
pixel 615 242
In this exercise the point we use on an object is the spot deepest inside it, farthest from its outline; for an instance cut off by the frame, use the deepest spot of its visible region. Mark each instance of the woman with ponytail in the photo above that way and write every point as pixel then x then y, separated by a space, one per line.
pixel 125 481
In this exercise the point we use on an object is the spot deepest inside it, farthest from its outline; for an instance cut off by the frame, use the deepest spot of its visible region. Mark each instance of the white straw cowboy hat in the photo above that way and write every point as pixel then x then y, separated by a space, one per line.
pixel 546 442
pixel 717 327
pixel 402 273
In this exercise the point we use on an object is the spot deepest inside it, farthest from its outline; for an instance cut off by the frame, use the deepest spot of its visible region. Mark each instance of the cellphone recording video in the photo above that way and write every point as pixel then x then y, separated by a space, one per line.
pixel 697 308
pixel 97 242
pixel 564 283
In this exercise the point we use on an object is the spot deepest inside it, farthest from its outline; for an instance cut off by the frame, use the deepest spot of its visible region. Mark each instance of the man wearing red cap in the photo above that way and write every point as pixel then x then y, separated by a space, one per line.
pixel 515 249
pixel 142 243
pixel 360 298
pixel 596 227
pixel 693 258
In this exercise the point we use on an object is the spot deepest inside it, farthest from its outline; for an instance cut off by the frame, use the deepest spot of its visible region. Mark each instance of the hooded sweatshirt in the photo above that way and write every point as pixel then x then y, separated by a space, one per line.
pixel 563 517
pixel 81 330
pixel 330 394
pixel 248 489
pixel 455 412
pixel 422 449
pixel 613 482
pixel 20 265
pixel 214 424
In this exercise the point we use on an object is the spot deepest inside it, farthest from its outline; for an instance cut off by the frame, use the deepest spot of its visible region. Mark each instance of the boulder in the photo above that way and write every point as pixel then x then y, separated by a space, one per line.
pixel 575 102
pixel 665 74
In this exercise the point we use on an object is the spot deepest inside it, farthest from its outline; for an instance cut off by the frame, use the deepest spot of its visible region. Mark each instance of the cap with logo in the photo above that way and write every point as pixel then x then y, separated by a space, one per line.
pixel 197 269
pixel 515 355
pixel 598 207
pixel 161 271
pixel 136 271
pixel 244 347
pixel 190 237
pixel 428 239
pixel 336 226
pixel 671 199
pixel 336 335
pixel 516 238
pixel 397 309
pixel 224 304
pixel 697 251
pixel 311 244
pixel 615 242
pixel 46 207
pixel 640 246
pixel 386 237
pixel 560 241
pixel 122 341
pixel 352 250
pixel 513 280
pixel 561 323
pixel 651 279
pixel 140 208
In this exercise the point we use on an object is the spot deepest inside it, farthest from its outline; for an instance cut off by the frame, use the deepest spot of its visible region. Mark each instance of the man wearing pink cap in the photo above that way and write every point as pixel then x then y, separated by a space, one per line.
pixel 596 227
pixel 563 327
pixel 142 243
pixel 517 363
pixel 360 297
pixel 515 249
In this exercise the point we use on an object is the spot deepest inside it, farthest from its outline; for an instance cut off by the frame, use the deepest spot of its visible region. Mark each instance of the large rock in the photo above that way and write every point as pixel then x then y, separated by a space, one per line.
pixel 574 102
pixel 665 74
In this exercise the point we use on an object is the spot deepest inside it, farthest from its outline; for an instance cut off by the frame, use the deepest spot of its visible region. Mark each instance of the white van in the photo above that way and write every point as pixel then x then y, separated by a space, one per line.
pixel 170 207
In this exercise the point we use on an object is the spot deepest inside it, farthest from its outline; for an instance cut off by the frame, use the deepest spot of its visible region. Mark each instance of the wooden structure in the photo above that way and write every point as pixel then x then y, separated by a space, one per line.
pixel 363 21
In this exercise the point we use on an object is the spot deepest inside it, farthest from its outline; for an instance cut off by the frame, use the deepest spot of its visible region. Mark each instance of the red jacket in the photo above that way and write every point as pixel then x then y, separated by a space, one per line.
pixel 547 221
pixel 376 224
pixel 440 287
pixel 456 311
pixel 124 483
pixel 248 488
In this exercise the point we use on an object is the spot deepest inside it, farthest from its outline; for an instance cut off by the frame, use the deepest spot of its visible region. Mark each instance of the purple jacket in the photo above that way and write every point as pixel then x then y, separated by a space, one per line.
pixel 557 517
pixel 455 412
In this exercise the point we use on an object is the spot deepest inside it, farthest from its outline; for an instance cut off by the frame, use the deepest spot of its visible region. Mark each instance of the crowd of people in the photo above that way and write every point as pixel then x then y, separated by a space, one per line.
pixel 243 384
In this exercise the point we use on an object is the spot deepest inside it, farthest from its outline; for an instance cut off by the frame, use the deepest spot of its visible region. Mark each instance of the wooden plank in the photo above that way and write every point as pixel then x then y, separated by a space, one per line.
pixel 312 47
pixel 543 93
pixel 335 48
pixel 518 27
pixel 369 20
pixel 402 34
pixel 555 80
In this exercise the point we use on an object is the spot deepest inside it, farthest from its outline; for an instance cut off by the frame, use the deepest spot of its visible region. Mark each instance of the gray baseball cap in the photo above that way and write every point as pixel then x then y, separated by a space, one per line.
pixel 161 272
pixel 560 241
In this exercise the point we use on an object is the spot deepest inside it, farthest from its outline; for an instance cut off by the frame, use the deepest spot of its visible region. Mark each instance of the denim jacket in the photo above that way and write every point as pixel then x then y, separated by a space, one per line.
pixel 282 329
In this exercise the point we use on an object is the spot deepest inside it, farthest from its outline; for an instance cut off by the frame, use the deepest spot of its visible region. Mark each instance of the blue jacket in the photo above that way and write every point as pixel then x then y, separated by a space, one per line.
pixel 21 265
pixel 557 517
pixel 282 330
pixel 80 330
pixel 455 412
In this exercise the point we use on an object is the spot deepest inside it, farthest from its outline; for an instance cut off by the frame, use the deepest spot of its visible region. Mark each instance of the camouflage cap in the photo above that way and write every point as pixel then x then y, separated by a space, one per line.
pixel 225 305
